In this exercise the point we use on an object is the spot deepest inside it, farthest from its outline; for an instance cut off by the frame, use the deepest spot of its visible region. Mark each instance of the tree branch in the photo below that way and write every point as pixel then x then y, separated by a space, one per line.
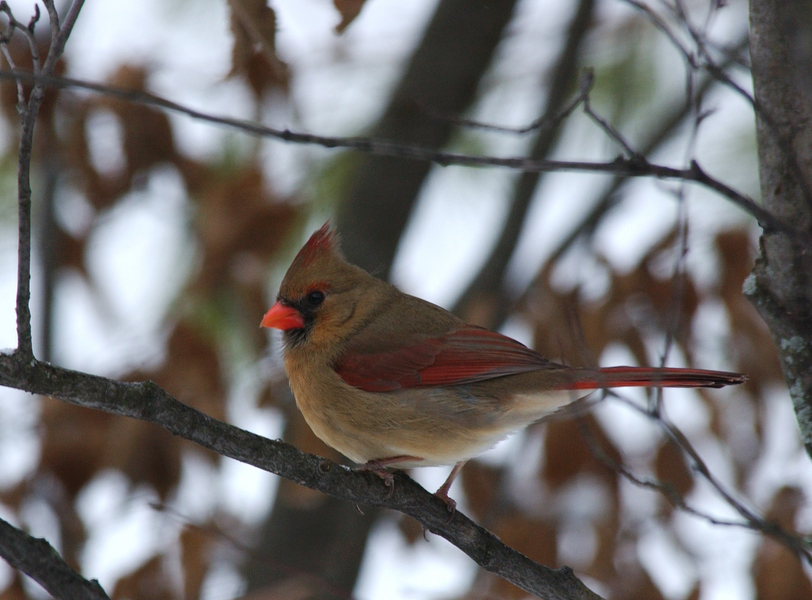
pixel 148 402
pixel 28 119
pixel 37 558
pixel 627 167
pixel 751 520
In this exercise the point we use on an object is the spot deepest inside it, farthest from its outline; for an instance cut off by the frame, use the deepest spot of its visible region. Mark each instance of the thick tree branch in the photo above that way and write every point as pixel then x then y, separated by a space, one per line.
pixel 626 167
pixel 148 402
pixel 36 558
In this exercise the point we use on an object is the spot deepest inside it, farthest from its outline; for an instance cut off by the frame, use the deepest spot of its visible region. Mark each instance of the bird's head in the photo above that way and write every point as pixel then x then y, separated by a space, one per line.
pixel 317 305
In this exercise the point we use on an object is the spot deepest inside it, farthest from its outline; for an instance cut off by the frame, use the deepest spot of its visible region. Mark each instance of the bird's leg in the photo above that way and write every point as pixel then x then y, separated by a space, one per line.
pixel 442 493
pixel 379 465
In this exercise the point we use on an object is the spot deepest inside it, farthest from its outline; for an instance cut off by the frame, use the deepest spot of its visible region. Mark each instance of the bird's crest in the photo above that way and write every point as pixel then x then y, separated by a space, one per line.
pixel 325 240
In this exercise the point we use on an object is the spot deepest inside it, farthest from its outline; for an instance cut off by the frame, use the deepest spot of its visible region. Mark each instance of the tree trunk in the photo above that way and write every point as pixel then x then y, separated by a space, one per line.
pixel 780 286
pixel 442 78
pixel 443 74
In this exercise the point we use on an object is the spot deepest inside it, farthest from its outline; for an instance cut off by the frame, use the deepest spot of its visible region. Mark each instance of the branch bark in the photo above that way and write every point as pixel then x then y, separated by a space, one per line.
pixel 28 118
pixel 625 167
pixel 780 286
pixel 148 402
pixel 37 558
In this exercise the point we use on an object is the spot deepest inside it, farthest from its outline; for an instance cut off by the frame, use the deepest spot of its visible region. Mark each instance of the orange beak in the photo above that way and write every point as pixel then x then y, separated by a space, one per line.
pixel 282 317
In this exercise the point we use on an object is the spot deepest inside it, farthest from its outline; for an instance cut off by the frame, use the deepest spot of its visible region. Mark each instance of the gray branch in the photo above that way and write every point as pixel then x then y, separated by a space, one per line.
pixel 621 166
pixel 38 559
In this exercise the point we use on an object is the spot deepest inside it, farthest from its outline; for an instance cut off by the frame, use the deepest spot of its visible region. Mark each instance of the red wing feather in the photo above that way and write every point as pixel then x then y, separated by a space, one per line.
pixel 467 355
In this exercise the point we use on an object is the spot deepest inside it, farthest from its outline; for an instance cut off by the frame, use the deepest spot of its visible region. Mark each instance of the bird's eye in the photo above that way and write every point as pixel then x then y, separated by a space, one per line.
pixel 315 298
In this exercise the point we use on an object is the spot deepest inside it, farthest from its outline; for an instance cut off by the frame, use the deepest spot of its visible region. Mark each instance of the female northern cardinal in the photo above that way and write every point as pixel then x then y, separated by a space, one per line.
pixel 390 380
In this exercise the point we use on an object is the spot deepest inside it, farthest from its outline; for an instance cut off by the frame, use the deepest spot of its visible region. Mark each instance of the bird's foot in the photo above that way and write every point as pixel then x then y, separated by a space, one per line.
pixel 378 467
pixel 450 503
pixel 442 493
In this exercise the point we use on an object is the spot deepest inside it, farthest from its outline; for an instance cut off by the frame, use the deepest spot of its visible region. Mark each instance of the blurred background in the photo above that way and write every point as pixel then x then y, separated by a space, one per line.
pixel 161 241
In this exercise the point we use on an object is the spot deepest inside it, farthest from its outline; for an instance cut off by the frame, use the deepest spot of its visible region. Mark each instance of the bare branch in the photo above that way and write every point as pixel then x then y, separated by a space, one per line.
pixel 26 30
pixel 5 38
pixel 708 64
pixel 148 402
pixel 668 491
pixel 28 118
pixel 610 131
pixel 661 133
pixel 61 38
pixel 698 465
pixel 620 166
pixel 37 558
pixel 545 122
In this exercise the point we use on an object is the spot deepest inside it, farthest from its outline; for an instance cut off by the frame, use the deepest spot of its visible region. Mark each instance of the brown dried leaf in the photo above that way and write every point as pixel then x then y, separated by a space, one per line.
pixel 74 443
pixel 672 470
pixel 146 453
pixel 568 453
pixel 534 538
pixel 70 251
pixel 15 590
pixel 603 567
pixel 196 545
pixel 148 136
pixel 636 303
pixel 777 571
pixel 253 24
pixel 481 485
pixel 412 530
pixel 349 9
pixel 192 371
pixel 150 582
pixel 237 219
pixel 635 584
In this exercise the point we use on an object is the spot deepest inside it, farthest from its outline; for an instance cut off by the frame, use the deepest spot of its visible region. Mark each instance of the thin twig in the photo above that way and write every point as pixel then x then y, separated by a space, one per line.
pixel 613 133
pixel 708 64
pixel 26 30
pixel 619 166
pixel 489 279
pixel 28 118
pixel 751 519
pixel 545 122
pixel 667 490
pixel 5 38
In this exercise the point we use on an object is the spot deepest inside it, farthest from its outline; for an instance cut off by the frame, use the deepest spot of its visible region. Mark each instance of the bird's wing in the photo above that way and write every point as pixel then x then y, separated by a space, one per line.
pixel 466 355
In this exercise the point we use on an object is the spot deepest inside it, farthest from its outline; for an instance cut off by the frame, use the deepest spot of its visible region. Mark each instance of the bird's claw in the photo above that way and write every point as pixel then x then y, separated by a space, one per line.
pixel 387 476
pixel 450 503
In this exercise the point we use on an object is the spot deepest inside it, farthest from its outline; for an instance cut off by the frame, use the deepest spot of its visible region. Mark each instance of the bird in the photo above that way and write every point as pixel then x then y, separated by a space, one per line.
pixel 392 381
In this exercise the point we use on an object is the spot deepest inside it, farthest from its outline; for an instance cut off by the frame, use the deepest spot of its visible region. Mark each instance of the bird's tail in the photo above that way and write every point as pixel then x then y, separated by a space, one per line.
pixel 612 377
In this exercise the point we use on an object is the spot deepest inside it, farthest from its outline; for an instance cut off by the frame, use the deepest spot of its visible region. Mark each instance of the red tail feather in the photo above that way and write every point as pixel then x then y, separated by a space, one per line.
pixel 611 377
